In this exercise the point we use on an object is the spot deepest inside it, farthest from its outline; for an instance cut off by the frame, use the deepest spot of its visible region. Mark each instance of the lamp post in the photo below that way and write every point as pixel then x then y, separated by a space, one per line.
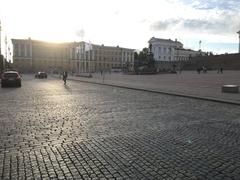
pixel 239 42
pixel 2 61
pixel 0 38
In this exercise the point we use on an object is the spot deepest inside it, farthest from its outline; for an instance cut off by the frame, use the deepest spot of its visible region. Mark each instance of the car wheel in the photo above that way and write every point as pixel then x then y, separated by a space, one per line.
pixel 2 86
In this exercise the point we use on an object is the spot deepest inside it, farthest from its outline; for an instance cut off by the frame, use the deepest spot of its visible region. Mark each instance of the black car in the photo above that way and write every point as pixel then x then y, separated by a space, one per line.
pixel 11 78
pixel 41 75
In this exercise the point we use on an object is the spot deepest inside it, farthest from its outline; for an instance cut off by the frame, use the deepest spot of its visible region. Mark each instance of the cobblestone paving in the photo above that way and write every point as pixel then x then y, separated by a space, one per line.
pixel 85 131
pixel 187 83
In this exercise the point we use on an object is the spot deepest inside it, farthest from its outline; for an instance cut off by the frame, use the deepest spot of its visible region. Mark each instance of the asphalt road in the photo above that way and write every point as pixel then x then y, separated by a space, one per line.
pixel 84 131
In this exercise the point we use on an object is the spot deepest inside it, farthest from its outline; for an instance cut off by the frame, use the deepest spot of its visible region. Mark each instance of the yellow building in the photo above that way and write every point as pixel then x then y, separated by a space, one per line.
pixel 78 57
pixel 31 55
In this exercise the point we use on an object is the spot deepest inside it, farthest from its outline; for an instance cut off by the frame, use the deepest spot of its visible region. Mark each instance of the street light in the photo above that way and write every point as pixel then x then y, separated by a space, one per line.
pixel 0 38
pixel 239 42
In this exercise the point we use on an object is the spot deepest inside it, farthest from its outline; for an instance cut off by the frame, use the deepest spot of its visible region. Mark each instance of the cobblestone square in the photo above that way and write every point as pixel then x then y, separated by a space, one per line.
pixel 87 131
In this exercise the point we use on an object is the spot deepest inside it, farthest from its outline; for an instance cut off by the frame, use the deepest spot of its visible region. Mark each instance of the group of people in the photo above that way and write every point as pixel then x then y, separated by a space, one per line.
pixel 203 69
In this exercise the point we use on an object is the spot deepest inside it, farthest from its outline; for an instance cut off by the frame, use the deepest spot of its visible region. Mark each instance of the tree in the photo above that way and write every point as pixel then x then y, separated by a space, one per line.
pixel 135 56
pixel 150 60
pixel 144 59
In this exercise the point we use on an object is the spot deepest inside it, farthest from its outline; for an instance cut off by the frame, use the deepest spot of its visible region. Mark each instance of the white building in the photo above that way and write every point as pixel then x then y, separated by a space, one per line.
pixel 167 50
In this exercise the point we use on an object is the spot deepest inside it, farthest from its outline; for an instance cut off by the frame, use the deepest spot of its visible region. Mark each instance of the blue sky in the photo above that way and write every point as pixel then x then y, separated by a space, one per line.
pixel 127 23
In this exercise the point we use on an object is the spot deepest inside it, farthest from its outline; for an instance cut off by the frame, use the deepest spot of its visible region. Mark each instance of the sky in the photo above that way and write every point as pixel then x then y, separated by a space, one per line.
pixel 127 23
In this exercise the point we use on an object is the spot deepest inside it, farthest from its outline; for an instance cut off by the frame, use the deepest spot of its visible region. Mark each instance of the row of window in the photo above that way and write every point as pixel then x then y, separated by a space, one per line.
pixel 76 53
pixel 22 50
pixel 165 58
pixel 164 50
pixel 176 58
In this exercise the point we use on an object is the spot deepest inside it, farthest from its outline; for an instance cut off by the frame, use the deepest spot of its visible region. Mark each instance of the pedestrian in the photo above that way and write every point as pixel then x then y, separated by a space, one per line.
pixel 221 70
pixel 65 75
pixel 199 70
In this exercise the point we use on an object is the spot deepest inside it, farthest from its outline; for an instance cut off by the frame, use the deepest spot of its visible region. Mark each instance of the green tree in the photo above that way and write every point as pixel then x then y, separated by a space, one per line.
pixel 144 58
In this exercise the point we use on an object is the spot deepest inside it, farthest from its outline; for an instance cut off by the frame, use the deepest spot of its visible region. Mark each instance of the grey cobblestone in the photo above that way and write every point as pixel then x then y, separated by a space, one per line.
pixel 187 83
pixel 50 131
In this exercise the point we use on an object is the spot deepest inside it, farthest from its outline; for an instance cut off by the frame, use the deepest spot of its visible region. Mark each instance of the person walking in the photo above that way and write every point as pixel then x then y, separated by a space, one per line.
pixel 221 70
pixel 65 75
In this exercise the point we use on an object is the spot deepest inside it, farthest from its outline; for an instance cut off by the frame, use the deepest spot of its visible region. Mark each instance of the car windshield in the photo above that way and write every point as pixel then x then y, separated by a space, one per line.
pixel 10 75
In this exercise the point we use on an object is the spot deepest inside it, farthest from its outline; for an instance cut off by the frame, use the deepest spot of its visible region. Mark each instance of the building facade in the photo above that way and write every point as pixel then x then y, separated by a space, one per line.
pixel 86 57
pixel 168 50
pixel 164 49
pixel 31 55
pixel 78 57
pixel 168 53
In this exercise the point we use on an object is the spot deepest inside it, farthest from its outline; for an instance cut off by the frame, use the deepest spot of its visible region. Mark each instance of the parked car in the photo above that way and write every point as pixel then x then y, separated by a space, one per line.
pixel 41 75
pixel 11 78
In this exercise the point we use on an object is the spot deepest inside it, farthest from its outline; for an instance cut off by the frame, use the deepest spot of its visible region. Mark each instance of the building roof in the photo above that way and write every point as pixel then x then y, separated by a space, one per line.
pixel 186 49
pixel 164 40
pixel 71 43
pixel 40 41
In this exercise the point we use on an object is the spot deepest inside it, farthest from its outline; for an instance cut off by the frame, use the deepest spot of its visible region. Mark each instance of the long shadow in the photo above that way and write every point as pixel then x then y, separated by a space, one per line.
pixel 9 89
pixel 67 88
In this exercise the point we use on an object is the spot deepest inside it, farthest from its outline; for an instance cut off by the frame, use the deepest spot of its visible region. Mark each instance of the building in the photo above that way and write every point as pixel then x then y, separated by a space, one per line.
pixel 169 50
pixel 164 49
pixel 32 55
pixel 87 57
pixel 78 57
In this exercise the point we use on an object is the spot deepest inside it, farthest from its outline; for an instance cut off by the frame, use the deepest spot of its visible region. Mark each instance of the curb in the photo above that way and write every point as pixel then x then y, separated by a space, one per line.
pixel 162 92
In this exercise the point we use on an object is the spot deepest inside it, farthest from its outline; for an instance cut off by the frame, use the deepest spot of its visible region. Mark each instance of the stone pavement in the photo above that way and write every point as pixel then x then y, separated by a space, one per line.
pixel 188 83
pixel 88 131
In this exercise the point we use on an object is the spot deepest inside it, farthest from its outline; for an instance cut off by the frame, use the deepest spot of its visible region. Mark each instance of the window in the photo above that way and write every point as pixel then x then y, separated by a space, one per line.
pixel 169 50
pixel 22 47
pixel 16 52
pixel 28 50
pixel 73 53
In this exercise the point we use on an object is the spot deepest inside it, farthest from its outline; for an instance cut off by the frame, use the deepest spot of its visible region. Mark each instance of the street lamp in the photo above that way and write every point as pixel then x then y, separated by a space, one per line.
pixel 239 42
pixel 0 38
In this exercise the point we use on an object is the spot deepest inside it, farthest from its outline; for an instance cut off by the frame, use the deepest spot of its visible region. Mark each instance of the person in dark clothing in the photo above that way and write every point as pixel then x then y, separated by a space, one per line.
pixel 65 75
pixel 221 70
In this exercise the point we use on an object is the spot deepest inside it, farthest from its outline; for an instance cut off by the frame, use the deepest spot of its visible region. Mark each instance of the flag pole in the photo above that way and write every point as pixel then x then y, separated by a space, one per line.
pixel 200 45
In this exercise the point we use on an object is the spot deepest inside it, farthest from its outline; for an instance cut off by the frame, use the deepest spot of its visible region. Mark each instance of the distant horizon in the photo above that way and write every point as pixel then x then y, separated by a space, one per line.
pixel 125 23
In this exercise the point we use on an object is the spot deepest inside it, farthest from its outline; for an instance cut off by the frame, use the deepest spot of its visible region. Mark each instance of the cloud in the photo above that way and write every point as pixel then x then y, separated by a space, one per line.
pixel 214 4
pixel 205 25
pixel 225 23
pixel 164 25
